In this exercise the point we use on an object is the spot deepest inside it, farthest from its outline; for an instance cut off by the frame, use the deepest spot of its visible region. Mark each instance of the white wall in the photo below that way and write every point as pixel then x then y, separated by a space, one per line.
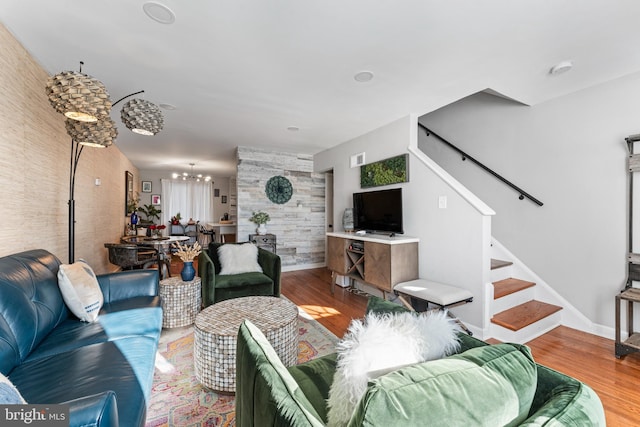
pixel 569 153
pixel 453 241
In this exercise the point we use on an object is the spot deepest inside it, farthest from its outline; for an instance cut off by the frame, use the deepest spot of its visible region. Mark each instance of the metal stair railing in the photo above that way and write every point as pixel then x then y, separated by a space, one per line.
pixel 466 156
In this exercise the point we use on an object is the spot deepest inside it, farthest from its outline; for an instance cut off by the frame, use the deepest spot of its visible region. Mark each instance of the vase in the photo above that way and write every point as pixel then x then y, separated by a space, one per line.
pixel 188 272
pixel 347 219
pixel 262 229
pixel 134 218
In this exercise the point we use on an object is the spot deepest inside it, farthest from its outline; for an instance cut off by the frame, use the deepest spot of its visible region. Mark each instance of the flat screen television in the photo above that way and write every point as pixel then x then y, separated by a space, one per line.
pixel 378 211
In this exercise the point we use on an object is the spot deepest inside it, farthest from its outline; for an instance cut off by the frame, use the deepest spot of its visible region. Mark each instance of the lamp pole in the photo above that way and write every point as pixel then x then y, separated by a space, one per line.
pixel 76 151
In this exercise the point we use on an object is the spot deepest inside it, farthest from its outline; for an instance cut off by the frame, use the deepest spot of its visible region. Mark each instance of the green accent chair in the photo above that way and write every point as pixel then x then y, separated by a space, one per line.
pixel 216 287
pixel 481 385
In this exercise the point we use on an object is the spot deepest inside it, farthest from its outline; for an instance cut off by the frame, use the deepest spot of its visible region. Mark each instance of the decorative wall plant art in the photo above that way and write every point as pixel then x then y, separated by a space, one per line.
pixel 385 172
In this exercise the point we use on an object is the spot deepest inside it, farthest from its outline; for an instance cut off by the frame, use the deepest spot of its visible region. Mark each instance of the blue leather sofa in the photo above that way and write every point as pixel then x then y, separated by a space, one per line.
pixel 102 370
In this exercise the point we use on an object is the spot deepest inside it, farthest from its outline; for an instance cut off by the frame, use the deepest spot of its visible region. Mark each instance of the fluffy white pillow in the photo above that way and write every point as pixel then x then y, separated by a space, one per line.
pixel 383 343
pixel 9 394
pixel 236 259
pixel 80 290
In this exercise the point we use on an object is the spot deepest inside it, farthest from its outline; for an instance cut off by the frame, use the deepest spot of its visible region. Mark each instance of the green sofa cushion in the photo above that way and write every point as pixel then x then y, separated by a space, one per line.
pixel 485 386
pixel 315 378
pixel 266 393
pixel 564 401
pixel 242 279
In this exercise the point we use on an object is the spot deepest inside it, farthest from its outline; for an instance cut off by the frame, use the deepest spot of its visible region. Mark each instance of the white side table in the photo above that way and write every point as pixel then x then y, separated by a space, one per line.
pixel 181 301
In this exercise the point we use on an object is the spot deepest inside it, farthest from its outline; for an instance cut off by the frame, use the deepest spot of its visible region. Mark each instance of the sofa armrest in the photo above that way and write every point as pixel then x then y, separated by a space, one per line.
pixel 129 284
pixel 100 410
pixel 207 273
pixel 272 267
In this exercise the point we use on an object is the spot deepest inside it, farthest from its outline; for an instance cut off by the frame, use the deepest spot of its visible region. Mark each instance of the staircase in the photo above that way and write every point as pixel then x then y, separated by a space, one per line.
pixel 516 315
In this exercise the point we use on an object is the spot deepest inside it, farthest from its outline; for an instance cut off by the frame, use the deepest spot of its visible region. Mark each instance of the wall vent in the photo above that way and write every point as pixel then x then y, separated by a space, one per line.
pixel 357 160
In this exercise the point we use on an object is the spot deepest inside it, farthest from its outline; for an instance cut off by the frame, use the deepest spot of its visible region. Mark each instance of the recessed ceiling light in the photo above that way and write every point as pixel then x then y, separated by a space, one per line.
pixel 560 68
pixel 293 128
pixel 159 12
pixel 168 106
pixel 363 76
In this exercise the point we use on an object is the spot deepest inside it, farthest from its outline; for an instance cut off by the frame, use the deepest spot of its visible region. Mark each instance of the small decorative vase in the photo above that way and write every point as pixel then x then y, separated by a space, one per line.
pixel 188 272
pixel 134 218
pixel 347 219
pixel 262 229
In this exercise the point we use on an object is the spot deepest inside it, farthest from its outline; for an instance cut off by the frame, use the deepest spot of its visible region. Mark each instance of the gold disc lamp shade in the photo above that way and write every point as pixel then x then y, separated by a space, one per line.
pixel 99 134
pixel 78 96
pixel 142 117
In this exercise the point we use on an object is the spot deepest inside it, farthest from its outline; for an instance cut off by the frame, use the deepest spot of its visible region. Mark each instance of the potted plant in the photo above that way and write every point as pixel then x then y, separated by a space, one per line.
pixel 260 218
pixel 175 220
pixel 151 214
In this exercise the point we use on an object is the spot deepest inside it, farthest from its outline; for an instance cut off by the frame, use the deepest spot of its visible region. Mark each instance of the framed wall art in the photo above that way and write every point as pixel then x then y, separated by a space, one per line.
pixel 385 172
pixel 146 186
pixel 155 199
pixel 129 203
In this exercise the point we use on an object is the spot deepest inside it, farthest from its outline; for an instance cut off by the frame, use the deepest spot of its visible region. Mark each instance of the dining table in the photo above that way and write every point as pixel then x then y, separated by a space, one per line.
pixel 162 244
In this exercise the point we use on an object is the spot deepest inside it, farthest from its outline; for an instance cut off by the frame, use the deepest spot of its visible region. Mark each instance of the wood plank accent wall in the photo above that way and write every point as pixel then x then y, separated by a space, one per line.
pixel 300 230
pixel 34 170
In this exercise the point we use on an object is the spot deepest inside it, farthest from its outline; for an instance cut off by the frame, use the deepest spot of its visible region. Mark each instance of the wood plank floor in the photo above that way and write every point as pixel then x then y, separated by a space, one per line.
pixel 586 357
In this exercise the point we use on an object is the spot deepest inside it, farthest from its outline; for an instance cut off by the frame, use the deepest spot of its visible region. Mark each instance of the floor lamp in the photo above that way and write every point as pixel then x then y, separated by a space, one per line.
pixel 85 103
pixel 99 135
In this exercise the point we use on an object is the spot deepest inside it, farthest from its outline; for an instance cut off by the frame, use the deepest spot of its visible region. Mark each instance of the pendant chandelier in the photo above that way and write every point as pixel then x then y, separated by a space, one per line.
pixel 186 176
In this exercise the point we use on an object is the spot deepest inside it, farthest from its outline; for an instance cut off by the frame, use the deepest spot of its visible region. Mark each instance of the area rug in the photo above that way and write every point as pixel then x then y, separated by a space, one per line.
pixel 177 399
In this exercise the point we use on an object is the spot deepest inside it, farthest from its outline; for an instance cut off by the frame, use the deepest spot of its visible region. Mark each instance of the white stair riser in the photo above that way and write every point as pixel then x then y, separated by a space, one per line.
pixel 511 300
pixel 501 273
pixel 528 333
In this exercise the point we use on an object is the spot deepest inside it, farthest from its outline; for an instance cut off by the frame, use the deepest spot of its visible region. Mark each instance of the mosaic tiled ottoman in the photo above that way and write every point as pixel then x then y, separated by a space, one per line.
pixel 216 330
pixel 181 301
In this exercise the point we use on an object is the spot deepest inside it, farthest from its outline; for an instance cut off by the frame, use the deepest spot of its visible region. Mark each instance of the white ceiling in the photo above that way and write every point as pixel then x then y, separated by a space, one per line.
pixel 241 71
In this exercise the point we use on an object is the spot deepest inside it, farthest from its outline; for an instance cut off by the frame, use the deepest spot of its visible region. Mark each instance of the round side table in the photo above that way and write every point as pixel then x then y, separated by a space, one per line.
pixel 216 331
pixel 181 301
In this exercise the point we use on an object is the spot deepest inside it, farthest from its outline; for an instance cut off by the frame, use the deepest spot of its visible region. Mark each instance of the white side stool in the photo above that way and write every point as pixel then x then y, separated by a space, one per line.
pixel 441 295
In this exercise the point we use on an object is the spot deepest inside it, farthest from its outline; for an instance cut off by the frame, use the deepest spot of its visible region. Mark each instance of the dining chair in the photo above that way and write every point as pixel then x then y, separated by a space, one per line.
pixel 205 236
pixel 129 256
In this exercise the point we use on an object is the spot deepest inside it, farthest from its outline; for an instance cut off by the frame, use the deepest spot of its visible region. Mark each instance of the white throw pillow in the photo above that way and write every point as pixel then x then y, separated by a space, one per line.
pixel 9 394
pixel 381 344
pixel 80 290
pixel 236 259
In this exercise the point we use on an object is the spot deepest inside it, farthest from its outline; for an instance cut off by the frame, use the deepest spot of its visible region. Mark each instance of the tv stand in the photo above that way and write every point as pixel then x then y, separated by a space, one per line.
pixel 381 261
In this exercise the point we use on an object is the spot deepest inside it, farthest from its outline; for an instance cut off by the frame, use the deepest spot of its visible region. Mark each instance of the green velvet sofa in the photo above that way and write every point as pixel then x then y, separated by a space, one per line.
pixel 481 385
pixel 216 287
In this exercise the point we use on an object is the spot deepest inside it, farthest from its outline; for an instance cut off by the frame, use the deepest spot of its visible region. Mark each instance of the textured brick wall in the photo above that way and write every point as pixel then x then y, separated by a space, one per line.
pixel 34 170
pixel 298 224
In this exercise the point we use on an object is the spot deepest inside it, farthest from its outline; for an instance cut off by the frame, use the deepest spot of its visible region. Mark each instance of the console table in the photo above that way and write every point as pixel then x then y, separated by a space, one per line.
pixel 264 241
pixel 377 260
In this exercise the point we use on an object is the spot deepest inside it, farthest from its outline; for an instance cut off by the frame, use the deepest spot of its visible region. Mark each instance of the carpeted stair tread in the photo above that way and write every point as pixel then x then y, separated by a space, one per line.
pixel 524 315
pixel 505 287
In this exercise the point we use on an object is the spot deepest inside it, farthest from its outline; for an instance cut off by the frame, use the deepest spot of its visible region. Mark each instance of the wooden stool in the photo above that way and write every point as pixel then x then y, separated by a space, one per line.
pixel 441 295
